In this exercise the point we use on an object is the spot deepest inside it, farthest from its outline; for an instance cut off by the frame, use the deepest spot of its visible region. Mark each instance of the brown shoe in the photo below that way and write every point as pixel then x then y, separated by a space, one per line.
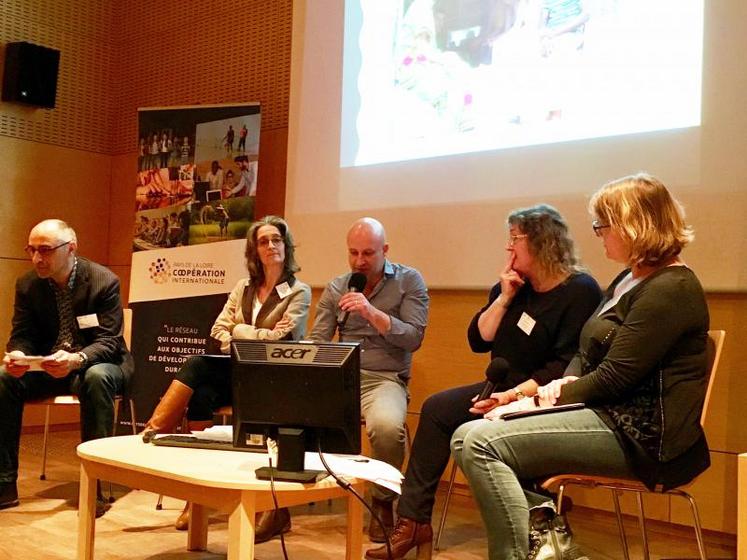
pixel 169 411
pixel 182 522
pixel 407 534
pixel 271 523
pixel 385 513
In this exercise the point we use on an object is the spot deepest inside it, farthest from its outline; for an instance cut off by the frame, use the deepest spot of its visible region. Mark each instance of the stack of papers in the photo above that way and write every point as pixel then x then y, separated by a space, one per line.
pixel 358 466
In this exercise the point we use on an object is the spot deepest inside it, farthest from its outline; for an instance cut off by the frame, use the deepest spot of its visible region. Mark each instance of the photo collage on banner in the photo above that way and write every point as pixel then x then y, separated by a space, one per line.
pixel 195 189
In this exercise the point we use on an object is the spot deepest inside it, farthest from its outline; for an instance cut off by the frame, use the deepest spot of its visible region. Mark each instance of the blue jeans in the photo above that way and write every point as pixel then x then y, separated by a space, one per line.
pixel 497 456
pixel 95 387
pixel 384 408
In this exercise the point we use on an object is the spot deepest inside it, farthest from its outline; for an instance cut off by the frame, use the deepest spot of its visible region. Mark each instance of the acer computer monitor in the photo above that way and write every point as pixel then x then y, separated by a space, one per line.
pixel 304 395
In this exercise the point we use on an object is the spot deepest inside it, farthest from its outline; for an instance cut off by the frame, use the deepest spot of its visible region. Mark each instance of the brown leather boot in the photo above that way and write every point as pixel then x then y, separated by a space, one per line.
pixel 407 534
pixel 182 522
pixel 268 524
pixel 169 411
pixel 385 511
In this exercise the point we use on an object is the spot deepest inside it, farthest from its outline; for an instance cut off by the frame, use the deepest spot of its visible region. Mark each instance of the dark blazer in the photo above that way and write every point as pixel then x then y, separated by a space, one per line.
pixel 36 322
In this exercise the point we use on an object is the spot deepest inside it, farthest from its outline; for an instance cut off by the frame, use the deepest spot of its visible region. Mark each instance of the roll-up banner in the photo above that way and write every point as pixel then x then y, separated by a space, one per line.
pixel 194 201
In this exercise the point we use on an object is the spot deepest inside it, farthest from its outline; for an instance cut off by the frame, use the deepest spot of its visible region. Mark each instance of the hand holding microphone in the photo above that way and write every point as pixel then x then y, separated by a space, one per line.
pixel 496 372
pixel 356 284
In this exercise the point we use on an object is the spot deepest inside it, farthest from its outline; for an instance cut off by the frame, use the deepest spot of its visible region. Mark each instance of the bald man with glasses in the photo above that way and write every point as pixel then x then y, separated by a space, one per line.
pixel 68 311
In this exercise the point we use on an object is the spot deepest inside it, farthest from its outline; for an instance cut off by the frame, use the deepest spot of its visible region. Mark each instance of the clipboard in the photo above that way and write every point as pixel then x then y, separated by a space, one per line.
pixel 538 411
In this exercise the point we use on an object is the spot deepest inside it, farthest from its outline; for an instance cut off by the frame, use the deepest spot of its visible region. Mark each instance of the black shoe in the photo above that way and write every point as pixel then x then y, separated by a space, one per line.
pixel 8 495
pixel 271 523
pixel 102 506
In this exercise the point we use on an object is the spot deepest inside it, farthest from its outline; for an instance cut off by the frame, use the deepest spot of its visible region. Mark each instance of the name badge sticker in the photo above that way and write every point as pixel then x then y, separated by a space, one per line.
pixel 283 290
pixel 526 323
pixel 88 321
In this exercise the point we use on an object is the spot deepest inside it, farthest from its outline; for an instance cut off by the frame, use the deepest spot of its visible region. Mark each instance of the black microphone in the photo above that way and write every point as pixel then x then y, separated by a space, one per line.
pixel 496 372
pixel 356 283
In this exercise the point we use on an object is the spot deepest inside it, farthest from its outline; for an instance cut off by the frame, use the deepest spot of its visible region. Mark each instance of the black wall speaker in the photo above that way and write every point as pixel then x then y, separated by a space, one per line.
pixel 30 74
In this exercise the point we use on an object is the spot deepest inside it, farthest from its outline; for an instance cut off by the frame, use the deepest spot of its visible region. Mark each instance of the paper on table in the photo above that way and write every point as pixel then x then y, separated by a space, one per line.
pixel 219 433
pixel 34 362
pixel 358 466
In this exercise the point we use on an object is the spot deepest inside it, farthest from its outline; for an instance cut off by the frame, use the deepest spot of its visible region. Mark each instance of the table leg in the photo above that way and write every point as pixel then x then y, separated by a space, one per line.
pixel 354 543
pixel 198 527
pixel 86 514
pixel 742 507
pixel 241 528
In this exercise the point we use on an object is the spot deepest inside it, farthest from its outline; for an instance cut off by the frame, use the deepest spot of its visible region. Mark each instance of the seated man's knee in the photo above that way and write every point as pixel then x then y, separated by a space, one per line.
pixel 6 379
pixel 387 428
pixel 98 379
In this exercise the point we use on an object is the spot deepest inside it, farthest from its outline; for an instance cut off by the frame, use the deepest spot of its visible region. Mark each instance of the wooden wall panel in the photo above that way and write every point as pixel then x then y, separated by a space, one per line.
pixel 201 52
pixel 10 269
pixel 44 181
pixel 724 428
pixel 716 493
pixel 82 31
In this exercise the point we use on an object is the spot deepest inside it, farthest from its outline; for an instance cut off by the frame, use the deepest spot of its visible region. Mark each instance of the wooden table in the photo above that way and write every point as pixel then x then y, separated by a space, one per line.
pixel 220 480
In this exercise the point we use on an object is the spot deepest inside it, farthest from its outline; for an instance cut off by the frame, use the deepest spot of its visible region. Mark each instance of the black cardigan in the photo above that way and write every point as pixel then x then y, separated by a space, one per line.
pixel 643 370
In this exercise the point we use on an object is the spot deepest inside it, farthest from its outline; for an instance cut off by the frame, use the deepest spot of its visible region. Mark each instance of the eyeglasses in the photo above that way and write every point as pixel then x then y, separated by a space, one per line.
pixel 512 239
pixel 43 250
pixel 266 241
pixel 597 227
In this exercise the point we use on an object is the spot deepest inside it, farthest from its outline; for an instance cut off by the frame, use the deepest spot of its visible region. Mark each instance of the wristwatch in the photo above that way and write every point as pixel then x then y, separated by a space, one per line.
pixel 83 359
pixel 519 394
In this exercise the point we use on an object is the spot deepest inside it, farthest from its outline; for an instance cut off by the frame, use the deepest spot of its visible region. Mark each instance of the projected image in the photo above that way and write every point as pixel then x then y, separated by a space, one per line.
pixel 425 78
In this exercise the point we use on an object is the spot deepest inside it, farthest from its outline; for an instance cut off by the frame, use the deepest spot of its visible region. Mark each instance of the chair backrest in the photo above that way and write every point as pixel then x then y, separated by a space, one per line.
pixel 715 344
pixel 127 327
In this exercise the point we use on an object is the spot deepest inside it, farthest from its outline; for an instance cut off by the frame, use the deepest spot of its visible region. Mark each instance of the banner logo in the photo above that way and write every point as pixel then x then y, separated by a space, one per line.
pixel 159 270
pixel 162 271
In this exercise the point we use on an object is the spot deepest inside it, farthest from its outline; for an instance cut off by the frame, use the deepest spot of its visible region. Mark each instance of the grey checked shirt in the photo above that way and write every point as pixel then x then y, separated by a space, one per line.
pixel 402 295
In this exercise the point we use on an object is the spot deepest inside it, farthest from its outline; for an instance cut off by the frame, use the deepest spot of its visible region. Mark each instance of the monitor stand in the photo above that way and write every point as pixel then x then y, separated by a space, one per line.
pixel 271 473
pixel 291 450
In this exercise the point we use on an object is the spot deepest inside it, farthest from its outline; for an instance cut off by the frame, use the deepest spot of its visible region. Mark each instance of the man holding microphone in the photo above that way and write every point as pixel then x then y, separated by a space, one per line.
pixel 387 315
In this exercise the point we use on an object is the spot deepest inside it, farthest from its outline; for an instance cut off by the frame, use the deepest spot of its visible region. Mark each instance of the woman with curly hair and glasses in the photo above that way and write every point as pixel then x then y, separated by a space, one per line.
pixel 532 320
